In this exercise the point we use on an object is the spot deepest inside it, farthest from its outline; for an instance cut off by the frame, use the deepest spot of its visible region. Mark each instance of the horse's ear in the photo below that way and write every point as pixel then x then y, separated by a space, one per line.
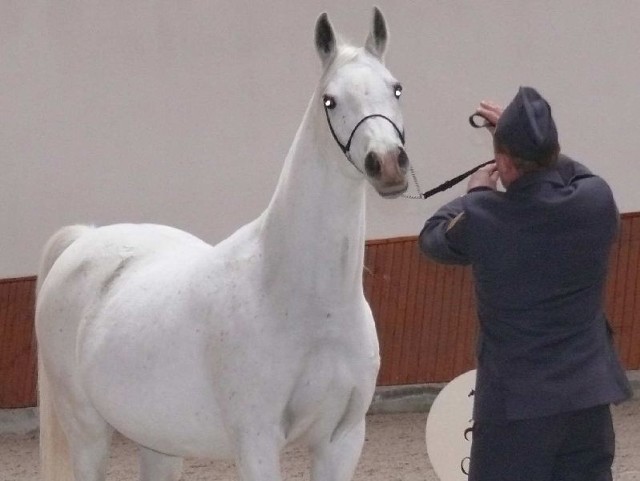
pixel 377 40
pixel 325 39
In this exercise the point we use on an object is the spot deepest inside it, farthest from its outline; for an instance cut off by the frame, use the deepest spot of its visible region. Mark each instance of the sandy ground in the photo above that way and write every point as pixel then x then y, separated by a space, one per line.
pixel 394 451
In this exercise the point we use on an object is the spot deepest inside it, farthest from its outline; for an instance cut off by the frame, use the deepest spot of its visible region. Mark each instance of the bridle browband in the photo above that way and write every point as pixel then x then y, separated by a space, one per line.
pixel 442 187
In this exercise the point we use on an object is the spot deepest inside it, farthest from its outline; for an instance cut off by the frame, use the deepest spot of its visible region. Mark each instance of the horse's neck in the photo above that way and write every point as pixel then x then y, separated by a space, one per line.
pixel 313 229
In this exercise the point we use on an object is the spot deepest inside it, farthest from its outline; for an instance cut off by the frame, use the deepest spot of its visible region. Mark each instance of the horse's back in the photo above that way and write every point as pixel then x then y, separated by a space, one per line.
pixel 81 251
pixel 82 265
pixel 77 272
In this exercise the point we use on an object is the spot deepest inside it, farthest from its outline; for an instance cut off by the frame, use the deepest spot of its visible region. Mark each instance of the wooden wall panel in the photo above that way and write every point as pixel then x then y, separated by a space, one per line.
pixel 425 315
pixel 623 291
pixel 17 343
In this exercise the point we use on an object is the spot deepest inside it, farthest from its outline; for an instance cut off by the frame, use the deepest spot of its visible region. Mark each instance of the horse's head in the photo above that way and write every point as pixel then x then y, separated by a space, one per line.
pixel 360 98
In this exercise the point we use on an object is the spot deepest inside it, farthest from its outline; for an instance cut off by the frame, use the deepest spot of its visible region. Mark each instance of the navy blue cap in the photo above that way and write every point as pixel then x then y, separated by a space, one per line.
pixel 526 127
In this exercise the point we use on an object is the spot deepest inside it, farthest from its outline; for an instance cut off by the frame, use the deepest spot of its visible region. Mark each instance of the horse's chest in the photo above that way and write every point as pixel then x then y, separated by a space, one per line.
pixel 335 382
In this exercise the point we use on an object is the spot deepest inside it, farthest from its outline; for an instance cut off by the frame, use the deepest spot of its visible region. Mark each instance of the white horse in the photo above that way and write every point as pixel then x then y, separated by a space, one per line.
pixel 234 350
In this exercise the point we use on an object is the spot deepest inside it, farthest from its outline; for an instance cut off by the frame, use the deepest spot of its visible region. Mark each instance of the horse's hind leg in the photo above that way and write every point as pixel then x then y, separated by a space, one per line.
pixel 89 438
pixel 155 466
pixel 74 438
pixel 337 460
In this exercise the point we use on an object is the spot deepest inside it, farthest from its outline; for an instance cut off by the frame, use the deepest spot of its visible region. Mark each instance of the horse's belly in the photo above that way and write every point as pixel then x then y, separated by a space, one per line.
pixel 188 430
pixel 158 393
pixel 175 418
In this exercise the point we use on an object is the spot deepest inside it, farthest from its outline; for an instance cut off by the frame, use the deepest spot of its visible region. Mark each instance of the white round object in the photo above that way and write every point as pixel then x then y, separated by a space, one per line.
pixel 448 432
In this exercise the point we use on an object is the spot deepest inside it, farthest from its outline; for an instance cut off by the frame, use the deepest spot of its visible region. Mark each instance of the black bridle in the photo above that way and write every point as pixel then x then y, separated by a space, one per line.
pixel 347 147
pixel 442 187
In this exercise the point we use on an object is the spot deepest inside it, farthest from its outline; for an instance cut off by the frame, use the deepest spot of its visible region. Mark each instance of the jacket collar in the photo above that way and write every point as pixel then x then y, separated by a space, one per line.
pixel 549 176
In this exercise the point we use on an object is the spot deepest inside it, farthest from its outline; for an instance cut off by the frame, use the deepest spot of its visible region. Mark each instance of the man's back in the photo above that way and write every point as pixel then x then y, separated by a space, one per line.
pixel 539 253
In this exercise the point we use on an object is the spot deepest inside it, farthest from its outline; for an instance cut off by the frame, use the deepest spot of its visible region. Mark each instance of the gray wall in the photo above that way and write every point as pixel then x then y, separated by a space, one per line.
pixel 181 112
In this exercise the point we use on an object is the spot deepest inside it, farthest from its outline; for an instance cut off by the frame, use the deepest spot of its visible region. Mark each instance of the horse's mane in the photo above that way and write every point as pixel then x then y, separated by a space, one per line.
pixel 346 53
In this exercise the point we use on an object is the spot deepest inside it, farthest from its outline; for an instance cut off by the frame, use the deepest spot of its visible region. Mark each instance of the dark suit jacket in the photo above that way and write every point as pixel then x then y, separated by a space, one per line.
pixel 539 253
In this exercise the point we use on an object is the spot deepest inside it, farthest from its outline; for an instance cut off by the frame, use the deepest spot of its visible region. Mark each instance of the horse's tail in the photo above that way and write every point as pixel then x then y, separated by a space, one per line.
pixel 55 462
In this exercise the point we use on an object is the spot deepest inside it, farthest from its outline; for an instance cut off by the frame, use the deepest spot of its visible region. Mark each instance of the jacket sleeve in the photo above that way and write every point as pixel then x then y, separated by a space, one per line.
pixel 444 235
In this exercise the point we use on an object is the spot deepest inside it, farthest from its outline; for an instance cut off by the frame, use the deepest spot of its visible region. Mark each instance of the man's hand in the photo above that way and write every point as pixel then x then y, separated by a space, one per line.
pixel 491 112
pixel 487 176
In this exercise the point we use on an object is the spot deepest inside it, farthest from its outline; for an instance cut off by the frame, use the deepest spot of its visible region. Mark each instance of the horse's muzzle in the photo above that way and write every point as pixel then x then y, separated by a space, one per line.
pixel 388 172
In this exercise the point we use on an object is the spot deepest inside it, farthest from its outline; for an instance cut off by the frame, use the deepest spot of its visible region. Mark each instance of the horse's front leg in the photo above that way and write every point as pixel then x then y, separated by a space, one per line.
pixel 258 456
pixel 337 460
pixel 155 466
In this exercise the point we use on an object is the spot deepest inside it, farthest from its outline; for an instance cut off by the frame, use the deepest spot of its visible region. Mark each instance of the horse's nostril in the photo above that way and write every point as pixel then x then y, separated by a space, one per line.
pixel 403 159
pixel 372 165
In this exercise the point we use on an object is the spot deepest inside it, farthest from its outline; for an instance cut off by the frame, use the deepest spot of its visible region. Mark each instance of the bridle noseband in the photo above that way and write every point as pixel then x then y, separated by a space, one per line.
pixel 347 147
pixel 442 187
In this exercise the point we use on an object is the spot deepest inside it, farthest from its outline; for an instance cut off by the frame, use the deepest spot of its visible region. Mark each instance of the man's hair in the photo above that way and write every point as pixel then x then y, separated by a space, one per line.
pixel 544 160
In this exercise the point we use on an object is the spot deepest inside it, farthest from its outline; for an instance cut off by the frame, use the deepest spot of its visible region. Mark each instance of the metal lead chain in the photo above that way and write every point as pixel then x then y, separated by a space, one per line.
pixel 415 182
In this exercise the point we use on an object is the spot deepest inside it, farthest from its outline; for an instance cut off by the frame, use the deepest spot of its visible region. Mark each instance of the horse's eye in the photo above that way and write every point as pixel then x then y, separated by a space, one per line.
pixel 397 90
pixel 329 102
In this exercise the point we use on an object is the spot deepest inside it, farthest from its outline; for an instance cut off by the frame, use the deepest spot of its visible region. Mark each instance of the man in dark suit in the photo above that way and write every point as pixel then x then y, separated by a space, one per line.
pixel 547 369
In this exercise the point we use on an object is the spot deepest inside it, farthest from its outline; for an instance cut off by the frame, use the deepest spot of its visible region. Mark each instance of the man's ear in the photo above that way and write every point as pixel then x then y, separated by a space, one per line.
pixel 506 168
